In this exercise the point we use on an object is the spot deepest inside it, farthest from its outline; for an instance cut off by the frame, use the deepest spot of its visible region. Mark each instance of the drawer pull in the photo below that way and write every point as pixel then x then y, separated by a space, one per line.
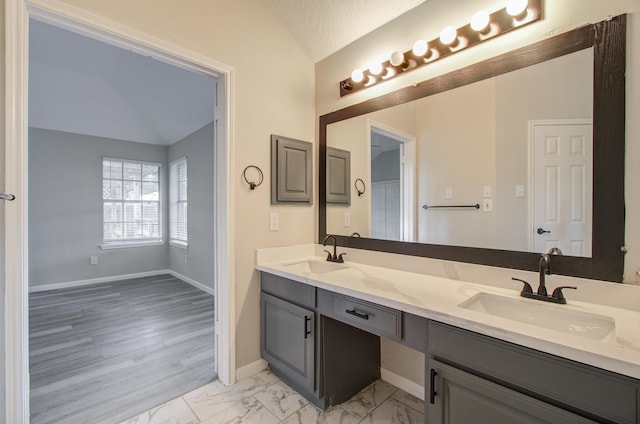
pixel 307 331
pixel 432 389
pixel 357 314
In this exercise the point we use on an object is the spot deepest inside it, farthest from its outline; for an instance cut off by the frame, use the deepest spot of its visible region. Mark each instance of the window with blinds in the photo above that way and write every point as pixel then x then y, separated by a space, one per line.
pixel 131 202
pixel 178 202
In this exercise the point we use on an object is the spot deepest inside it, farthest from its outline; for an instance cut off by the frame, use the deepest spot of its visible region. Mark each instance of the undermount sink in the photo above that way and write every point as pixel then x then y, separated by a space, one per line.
pixel 316 267
pixel 553 317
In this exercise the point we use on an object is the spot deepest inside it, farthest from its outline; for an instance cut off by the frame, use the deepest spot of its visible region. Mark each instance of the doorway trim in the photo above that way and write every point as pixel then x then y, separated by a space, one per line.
pixel 17 15
pixel 407 175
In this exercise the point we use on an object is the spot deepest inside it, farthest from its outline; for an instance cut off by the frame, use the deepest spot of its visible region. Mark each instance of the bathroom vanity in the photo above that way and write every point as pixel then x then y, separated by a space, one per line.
pixel 321 324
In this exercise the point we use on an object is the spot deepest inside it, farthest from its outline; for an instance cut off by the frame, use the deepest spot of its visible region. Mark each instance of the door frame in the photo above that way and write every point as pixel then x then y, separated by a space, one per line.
pixel 17 15
pixel 407 175
pixel 531 177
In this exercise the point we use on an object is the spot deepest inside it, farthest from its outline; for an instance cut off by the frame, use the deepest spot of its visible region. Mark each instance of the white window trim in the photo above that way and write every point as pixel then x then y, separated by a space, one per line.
pixel 177 242
pixel 127 244
pixel 117 244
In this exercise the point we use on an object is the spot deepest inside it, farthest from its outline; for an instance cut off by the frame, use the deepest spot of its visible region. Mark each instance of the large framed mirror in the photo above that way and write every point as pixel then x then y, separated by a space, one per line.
pixel 494 163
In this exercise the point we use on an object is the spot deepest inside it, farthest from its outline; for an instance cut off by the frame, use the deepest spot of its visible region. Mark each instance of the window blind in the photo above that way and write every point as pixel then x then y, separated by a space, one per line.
pixel 131 201
pixel 178 215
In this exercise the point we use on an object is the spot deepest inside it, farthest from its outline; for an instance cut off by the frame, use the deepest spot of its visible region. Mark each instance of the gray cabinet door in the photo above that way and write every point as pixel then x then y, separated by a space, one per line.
pixel 338 176
pixel 288 339
pixel 461 398
pixel 291 170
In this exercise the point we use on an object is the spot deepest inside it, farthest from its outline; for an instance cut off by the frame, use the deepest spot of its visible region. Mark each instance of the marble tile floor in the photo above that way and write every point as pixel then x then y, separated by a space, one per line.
pixel 265 399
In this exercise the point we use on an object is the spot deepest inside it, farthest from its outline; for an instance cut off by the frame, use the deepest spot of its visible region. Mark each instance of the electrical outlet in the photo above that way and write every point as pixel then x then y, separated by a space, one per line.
pixel 347 219
pixel 94 260
pixel 274 221
pixel 448 193
pixel 487 205
pixel 486 192
pixel 186 258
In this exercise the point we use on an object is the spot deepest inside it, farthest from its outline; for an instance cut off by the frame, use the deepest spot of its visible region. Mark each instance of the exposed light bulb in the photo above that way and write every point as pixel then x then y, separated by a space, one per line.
pixel 448 35
pixel 357 75
pixel 397 58
pixel 420 47
pixel 516 7
pixel 480 20
pixel 376 68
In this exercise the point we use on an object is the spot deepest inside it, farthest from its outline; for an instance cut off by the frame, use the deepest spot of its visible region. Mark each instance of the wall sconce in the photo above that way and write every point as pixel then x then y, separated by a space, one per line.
pixel 482 27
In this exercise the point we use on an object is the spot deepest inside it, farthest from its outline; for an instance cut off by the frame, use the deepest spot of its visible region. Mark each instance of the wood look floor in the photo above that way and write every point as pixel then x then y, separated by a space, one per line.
pixel 104 353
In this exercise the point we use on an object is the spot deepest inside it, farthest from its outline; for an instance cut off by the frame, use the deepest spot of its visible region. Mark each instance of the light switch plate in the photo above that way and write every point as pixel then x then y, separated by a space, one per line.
pixel 274 221
pixel 486 191
pixel 94 260
pixel 347 219
pixel 487 205
pixel 448 193
pixel 520 190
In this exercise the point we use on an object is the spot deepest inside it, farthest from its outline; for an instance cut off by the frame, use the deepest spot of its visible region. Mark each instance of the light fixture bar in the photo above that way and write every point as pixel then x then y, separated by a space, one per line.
pixel 500 22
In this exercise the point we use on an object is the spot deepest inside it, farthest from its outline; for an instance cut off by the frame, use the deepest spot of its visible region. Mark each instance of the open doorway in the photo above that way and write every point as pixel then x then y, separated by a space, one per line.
pixel 17 169
pixel 392 171
pixel 121 200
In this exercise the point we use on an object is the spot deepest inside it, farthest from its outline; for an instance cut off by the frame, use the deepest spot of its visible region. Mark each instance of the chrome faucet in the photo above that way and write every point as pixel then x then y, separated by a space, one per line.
pixel 544 269
pixel 333 257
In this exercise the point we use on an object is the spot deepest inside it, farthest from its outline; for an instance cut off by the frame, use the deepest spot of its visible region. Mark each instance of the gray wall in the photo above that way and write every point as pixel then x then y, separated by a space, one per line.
pixel 198 147
pixel 65 208
pixel 386 167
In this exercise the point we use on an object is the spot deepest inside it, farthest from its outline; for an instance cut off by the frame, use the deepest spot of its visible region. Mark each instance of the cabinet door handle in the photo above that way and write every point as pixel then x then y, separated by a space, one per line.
pixel 432 389
pixel 357 314
pixel 307 331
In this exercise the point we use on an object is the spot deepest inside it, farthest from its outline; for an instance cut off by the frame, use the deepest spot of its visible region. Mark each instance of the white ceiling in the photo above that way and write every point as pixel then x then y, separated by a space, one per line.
pixel 323 27
pixel 81 85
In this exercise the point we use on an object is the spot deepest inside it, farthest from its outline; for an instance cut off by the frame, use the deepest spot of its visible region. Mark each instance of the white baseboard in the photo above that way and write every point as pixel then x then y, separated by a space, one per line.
pixel 90 281
pixel 251 369
pixel 402 383
pixel 193 282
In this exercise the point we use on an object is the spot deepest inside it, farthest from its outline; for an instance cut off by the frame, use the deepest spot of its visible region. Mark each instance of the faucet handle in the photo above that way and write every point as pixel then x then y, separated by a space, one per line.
pixel 329 255
pixel 526 288
pixel 340 259
pixel 559 296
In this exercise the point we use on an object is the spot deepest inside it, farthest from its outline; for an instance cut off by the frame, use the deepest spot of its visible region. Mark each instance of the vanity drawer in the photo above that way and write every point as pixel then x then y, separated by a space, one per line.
pixel 376 319
pixel 570 385
pixel 293 291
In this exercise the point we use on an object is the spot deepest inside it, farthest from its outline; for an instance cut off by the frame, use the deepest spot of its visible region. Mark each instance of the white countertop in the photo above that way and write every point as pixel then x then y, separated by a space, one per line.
pixel 437 298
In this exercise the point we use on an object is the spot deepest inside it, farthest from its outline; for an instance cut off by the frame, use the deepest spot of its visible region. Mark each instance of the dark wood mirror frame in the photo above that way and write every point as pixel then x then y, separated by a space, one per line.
pixel 608 39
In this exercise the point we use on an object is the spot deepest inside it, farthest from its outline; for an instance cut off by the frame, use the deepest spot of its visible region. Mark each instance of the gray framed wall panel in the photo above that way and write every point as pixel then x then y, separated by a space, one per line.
pixel 291 170
pixel 338 176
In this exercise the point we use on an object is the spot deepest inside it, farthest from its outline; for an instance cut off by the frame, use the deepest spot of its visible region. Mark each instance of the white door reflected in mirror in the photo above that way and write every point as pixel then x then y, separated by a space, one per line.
pixel 561 181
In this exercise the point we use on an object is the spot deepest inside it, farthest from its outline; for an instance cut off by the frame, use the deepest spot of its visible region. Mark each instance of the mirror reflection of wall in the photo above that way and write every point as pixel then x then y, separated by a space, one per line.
pixel 473 145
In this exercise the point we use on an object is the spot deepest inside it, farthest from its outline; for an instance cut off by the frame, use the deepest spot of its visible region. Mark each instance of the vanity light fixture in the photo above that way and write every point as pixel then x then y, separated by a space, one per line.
pixel 516 7
pixel 449 36
pixel 357 76
pixel 480 21
pixel 397 58
pixel 482 27
pixel 376 68
pixel 420 48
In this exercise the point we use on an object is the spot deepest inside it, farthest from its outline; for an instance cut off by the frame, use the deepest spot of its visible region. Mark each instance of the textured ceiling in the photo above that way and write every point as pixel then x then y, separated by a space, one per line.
pixel 81 85
pixel 323 27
